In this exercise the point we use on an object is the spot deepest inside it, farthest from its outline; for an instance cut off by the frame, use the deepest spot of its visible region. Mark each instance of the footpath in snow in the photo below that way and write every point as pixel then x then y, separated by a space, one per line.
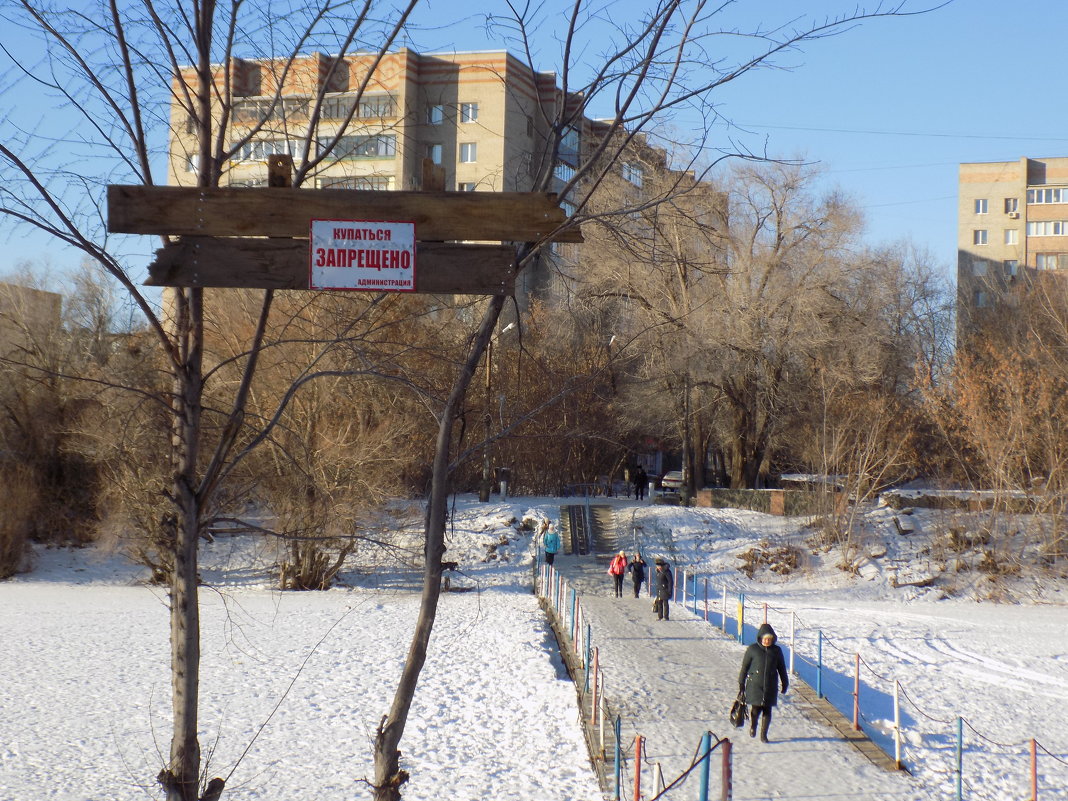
pixel 671 681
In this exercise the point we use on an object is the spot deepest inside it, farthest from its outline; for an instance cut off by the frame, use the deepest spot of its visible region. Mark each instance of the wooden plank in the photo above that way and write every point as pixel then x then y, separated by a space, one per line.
pixel 282 212
pixel 441 268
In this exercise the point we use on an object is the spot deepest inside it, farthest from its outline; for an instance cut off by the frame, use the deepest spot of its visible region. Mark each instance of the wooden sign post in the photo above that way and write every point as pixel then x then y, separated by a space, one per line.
pixel 258 238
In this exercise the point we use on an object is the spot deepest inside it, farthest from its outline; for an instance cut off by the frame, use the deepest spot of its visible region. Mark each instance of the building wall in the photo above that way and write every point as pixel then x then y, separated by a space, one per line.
pixel 994 251
pixel 26 314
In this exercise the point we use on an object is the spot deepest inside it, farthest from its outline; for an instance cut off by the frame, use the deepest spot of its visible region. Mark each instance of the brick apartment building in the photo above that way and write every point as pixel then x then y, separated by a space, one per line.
pixel 1012 223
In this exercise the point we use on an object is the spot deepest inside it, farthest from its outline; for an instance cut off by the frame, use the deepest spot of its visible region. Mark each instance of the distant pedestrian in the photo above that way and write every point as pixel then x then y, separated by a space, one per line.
pixel 763 668
pixel 665 585
pixel 551 544
pixel 636 568
pixel 640 480
pixel 616 571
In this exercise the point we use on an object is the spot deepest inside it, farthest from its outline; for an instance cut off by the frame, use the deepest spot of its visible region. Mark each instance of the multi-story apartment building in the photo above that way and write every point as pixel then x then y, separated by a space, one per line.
pixel 483 117
pixel 1012 222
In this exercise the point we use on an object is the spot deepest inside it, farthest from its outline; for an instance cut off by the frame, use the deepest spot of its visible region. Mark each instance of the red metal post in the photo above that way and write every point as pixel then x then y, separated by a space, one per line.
pixel 1034 770
pixel 728 790
pixel 638 768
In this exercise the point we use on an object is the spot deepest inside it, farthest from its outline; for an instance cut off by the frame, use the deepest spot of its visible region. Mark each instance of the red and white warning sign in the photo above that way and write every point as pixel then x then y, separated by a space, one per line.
pixel 362 254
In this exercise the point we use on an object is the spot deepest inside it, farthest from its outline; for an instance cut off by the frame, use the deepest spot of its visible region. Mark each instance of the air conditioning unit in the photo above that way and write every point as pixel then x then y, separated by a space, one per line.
pixel 1014 215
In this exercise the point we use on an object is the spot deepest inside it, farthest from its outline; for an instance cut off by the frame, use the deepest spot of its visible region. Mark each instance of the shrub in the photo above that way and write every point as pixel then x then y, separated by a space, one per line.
pixel 18 514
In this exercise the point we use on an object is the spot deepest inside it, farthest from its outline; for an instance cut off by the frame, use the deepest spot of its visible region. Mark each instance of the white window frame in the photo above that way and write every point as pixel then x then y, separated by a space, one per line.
pixel 1049 195
pixel 634 174
pixel 433 152
pixel 1012 205
pixel 1012 236
pixel 468 112
pixel 377 146
pixel 468 152
pixel 435 115
pixel 466 186
pixel 979 267
pixel 981 205
pixel 1047 228
pixel 980 236
pixel 1012 267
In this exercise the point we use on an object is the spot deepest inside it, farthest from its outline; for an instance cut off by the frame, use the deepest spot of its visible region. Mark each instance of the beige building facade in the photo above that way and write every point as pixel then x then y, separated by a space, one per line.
pixel 1012 221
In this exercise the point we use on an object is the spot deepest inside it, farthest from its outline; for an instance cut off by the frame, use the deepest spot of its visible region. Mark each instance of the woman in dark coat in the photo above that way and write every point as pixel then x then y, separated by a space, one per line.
pixel 636 568
pixel 665 586
pixel 758 680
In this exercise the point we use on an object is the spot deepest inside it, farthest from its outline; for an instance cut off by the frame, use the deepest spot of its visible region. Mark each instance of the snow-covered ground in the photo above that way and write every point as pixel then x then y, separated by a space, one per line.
pixel 300 680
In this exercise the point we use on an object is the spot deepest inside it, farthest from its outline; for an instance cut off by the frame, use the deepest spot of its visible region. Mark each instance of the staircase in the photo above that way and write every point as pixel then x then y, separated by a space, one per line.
pixel 588 536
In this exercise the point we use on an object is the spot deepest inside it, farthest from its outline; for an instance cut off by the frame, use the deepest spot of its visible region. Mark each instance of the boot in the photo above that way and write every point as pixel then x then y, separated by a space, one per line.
pixel 752 722
pixel 764 730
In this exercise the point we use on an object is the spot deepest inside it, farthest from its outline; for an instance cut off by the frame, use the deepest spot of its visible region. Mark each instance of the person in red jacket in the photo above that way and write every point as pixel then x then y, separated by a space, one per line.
pixel 616 570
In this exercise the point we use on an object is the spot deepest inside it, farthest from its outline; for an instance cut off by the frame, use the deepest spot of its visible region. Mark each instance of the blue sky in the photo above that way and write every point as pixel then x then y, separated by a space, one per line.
pixel 888 109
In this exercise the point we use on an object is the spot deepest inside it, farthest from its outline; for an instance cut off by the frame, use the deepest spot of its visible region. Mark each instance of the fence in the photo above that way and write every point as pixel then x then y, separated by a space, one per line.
pixel 857 690
pixel 582 657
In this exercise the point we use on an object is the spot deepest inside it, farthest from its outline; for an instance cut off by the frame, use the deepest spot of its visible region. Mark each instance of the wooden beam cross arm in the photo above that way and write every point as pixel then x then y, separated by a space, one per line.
pixel 284 212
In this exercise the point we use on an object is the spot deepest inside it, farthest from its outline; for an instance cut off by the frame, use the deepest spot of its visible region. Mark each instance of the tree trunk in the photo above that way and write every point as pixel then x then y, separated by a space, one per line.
pixel 388 776
pixel 182 777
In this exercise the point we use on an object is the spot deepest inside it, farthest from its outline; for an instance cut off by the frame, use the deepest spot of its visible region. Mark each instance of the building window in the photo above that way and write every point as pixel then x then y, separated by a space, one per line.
pixel 468 152
pixel 632 173
pixel 1048 228
pixel 1047 195
pixel 374 146
pixel 340 107
pixel 980 205
pixel 260 149
pixel 1051 261
pixel 266 109
pixel 373 182
pixel 563 173
pixel 569 145
pixel 979 236
pixel 466 187
pixel 1012 267
pixel 1012 205
pixel 982 299
pixel 1012 236
pixel 469 112
pixel 435 115
pixel 433 152
pixel 192 163
pixel 979 268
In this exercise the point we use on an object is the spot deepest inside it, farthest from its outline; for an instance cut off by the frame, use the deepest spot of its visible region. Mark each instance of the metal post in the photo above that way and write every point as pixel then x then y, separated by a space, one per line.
pixel 765 611
pixel 724 610
pixel 960 759
pixel 741 617
pixel 1034 770
pixel 589 640
pixel 619 757
pixel 658 779
pixel 897 723
pixel 694 594
pixel 596 687
pixel 793 647
pixel 638 767
pixel 728 778
pixel 601 715
pixel 856 695
pixel 706 600
pixel 819 664
pixel 706 758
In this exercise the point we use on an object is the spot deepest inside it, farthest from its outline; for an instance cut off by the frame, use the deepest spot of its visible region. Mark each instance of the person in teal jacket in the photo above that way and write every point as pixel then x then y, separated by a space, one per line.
pixel 551 544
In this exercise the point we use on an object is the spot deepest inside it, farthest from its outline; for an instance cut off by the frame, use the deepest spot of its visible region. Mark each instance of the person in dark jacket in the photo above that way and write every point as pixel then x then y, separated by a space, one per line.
pixel 763 668
pixel 636 568
pixel 665 586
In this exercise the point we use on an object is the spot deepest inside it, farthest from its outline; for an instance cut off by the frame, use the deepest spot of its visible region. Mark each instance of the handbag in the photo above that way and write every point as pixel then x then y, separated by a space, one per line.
pixel 739 711
pixel 656 604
